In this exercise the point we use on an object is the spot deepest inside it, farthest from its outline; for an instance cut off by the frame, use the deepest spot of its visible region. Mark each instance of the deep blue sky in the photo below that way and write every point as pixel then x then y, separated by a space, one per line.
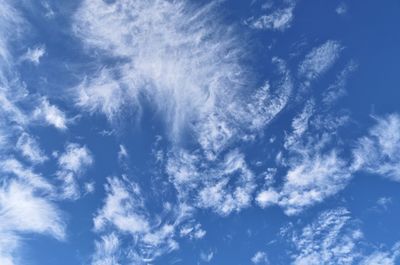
pixel 199 132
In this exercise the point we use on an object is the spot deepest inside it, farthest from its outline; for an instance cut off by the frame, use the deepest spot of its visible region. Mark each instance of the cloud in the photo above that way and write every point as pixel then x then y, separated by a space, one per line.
pixel 72 164
pixel 22 212
pixel 337 89
pixel 382 257
pixel 378 152
pixel 260 258
pixel 29 147
pixel 50 114
pixel 25 175
pixel 333 238
pixel 341 9
pixel 319 60
pixel 122 208
pixel 192 231
pixel 206 257
pixel 124 213
pixel 225 188
pixel 34 55
pixel 308 181
pixel 107 250
pixel 158 63
pixel 280 19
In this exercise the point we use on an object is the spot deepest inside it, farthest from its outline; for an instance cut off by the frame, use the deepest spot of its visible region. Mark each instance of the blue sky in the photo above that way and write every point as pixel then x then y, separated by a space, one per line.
pixel 199 132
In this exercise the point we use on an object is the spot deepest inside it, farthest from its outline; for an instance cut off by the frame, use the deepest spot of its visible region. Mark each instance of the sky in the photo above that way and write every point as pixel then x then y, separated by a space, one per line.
pixel 199 132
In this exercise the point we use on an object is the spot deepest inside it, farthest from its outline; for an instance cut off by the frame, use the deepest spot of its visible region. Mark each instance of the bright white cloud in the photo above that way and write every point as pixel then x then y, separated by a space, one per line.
pixel 193 93
pixel 312 180
pixel 23 212
pixel 50 114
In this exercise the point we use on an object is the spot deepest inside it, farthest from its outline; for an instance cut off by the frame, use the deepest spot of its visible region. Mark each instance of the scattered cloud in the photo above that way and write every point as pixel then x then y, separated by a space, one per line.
pixel 260 258
pixel 23 212
pixel 50 114
pixel 279 19
pixel 207 257
pixel 72 164
pixel 124 212
pixel 382 257
pixel 34 55
pixel 319 60
pixel 29 147
pixel 107 250
pixel 333 238
pixel 378 152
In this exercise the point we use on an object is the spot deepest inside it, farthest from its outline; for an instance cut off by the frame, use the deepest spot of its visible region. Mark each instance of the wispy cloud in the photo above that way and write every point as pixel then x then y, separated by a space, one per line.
pixel 50 114
pixel 319 60
pixel 124 212
pixel 29 147
pixel 260 258
pixel 279 19
pixel 34 55
pixel 378 152
pixel 72 164
pixel 333 238
pixel 22 211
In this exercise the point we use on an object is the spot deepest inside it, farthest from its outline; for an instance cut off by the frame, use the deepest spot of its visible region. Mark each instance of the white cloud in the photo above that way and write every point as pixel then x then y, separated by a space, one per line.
pixel 124 212
pixel 192 231
pixel 378 152
pixel 107 250
pixel 122 153
pixel 22 212
pixel 224 189
pixel 76 158
pixel 50 114
pixel 159 63
pixel 267 197
pixel 72 164
pixel 30 149
pixel 34 55
pixel 313 180
pixel 280 19
pixel 312 176
pixel 260 258
pixel 337 89
pixel 207 257
pixel 26 175
pixel 300 124
pixel 122 208
pixel 319 60
pixel 382 257
pixel 333 238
